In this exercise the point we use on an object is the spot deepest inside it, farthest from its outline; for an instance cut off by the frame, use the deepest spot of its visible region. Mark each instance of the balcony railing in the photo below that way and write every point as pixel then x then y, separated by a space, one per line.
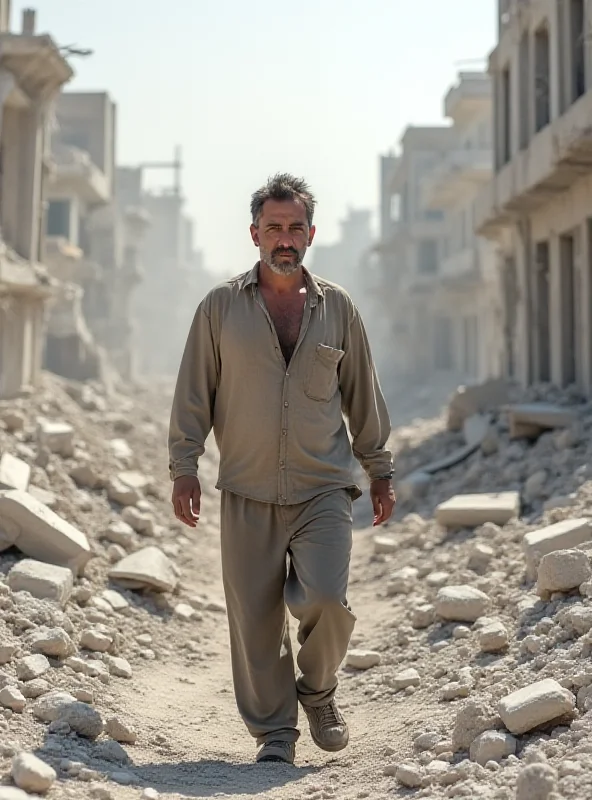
pixel 76 168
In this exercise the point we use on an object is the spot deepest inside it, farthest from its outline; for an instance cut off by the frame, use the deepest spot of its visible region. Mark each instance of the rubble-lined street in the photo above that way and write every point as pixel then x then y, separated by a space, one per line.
pixel 469 670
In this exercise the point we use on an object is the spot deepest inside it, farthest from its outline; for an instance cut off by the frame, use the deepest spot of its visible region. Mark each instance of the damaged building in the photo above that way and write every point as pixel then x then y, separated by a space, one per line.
pixel 32 73
pixel 538 207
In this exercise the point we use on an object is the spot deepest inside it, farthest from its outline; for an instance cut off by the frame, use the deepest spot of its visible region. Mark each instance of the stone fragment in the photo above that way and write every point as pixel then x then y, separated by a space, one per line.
pixel 384 545
pixel 31 667
pixel 115 599
pixel 472 510
pixel 401 581
pixel 562 535
pixel 121 450
pixel 422 616
pixel 537 782
pixel 120 667
pixel 47 709
pixel 7 653
pixel 562 571
pixel 408 677
pixel 474 718
pixel 362 659
pixel 119 532
pixel 99 641
pixel 534 488
pixel 461 603
pixel 13 420
pixel 84 475
pixel 541 702
pixel 32 774
pixel 475 399
pixel 43 581
pixel 40 533
pixel 140 521
pixel 148 568
pixel 493 637
pixel 57 437
pixel 120 731
pixel 35 688
pixel 492 746
pixel 12 698
pixel 427 741
pixel 136 480
pixel 110 750
pixel 122 494
pixel 413 486
pixel 14 473
pixel 54 642
pixel 82 718
pixel 480 558
pixel 409 775
pixel 530 420
pixel 13 793
pixel 147 794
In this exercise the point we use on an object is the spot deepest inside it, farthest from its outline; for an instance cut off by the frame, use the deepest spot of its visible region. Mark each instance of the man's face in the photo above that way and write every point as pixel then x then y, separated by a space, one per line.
pixel 283 235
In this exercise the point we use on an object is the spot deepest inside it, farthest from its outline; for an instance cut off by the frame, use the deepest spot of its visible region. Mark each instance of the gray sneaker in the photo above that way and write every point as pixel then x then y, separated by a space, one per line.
pixel 277 751
pixel 327 727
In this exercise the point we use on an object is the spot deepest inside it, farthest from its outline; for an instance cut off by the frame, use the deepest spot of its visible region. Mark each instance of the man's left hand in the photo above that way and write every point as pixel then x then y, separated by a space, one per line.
pixel 383 499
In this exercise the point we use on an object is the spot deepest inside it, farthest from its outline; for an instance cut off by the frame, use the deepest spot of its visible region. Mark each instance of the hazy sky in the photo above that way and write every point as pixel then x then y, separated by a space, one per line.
pixel 252 87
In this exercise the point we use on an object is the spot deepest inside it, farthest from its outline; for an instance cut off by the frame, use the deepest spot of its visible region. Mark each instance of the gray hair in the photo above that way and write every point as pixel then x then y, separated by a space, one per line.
pixel 283 186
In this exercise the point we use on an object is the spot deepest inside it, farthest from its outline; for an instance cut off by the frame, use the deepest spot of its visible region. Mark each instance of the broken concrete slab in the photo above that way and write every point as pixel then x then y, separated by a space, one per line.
pixel 136 480
pixel 475 399
pixel 541 702
pixel 472 510
pixel 121 493
pixel 148 568
pixel 564 535
pixel 14 473
pixel 43 496
pixel 43 581
pixel 40 533
pixel 530 420
pixel 476 428
pixel 57 437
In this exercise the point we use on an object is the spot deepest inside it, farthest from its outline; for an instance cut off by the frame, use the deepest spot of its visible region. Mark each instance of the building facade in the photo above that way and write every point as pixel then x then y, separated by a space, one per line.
pixel 32 73
pixel 538 207
pixel 465 296
pixel 411 250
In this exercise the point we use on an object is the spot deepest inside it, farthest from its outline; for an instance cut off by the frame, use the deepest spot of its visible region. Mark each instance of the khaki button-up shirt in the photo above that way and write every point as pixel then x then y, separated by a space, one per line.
pixel 280 430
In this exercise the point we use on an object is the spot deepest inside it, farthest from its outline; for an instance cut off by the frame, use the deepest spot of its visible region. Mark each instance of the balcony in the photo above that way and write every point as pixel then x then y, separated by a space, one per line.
pixel 458 174
pixel 38 67
pixel 76 174
pixel 461 269
pixel 556 157
pixel 67 263
pixel 471 95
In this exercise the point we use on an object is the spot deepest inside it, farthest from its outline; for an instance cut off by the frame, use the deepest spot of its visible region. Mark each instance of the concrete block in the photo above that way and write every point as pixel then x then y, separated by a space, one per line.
pixel 471 510
pixel 148 568
pixel 57 437
pixel 475 399
pixel 562 571
pixel 14 472
pixel 44 581
pixel 541 702
pixel 529 420
pixel 564 535
pixel 461 603
pixel 40 533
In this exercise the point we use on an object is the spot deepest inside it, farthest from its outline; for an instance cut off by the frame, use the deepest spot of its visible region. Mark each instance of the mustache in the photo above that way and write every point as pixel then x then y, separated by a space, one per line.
pixel 281 251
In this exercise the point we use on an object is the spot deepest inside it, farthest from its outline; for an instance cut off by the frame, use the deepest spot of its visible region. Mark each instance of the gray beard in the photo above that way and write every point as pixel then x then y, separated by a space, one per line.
pixel 281 267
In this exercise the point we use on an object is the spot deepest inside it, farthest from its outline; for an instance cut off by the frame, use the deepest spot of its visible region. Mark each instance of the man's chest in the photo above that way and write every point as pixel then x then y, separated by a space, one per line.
pixel 286 316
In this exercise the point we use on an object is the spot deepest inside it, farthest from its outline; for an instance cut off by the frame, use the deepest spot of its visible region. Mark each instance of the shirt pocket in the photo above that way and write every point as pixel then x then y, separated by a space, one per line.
pixel 321 379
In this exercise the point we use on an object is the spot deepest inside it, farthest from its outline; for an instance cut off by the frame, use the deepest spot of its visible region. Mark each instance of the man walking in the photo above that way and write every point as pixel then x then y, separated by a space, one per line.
pixel 274 361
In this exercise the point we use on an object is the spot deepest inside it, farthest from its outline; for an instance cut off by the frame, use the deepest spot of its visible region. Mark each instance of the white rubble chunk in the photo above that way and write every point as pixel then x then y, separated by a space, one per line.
pixel 136 480
pixel 362 659
pixel 461 603
pixel 40 533
pixel 140 521
pixel 11 697
pixel 384 545
pixel 7 652
pixel 529 420
pixel 84 475
pixel 480 558
pixel 413 486
pixel 43 496
pixel 492 746
pixel 31 667
pixel 119 667
pixel 121 493
pixel 54 642
pixel 408 677
pixel 493 637
pixel 402 581
pixel 184 612
pixel 562 571
pixel 14 473
pixel 119 532
pixel 148 568
pixel 472 510
pixel 409 775
pixel 97 640
pixel 121 449
pixel 563 535
pixel 57 437
pixel 13 419
pixel 13 793
pixel 475 399
pixel 534 705
pixel 43 581
pixel 120 731
pixel 148 794
pixel 534 488
pixel 82 718
pixel 422 616
pixel 537 782
pixel 32 774
pixel 47 709
pixel 115 599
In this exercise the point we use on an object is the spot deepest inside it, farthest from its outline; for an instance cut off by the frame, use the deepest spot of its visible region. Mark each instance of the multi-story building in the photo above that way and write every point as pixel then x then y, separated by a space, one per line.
pixel 412 248
pixel 93 242
pixel 32 73
pixel 538 207
pixel 464 297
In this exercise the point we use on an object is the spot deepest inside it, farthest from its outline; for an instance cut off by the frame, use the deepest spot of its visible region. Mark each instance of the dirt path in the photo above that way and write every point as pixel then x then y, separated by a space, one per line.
pixel 193 743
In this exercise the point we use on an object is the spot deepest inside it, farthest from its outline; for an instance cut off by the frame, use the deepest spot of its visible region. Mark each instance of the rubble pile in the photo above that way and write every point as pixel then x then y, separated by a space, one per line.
pixel 90 577
pixel 486 574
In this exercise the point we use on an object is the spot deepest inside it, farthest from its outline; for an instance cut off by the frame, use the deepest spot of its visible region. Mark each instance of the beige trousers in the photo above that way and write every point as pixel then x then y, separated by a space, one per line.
pixel 276 556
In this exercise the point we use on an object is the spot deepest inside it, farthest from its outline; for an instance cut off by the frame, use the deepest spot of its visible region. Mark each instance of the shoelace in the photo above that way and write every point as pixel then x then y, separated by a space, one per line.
pixel 329 716
pixel 286 747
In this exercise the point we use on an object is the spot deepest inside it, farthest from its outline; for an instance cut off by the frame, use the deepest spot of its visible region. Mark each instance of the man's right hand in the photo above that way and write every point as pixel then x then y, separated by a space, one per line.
pixel 186 499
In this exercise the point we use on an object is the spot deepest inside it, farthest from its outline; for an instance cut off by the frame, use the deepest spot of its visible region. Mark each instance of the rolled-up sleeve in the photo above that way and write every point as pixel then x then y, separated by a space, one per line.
pixel 363 402
pixel 192 411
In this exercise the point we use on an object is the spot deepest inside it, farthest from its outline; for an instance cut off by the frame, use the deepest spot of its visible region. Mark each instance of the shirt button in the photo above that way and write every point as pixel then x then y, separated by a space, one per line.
pixel 281 463
pixel 287 374
pixel 286 404
pixel 284 432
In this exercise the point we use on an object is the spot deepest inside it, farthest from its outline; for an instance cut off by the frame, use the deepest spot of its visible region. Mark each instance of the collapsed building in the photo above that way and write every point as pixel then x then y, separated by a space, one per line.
pixel 32 73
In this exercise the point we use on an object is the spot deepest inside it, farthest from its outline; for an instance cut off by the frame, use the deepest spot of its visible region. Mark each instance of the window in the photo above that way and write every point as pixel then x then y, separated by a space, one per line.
pixel 524 74
pixel 395 208
pixel 58 218
pixel 506 118
pixel 542 78
pixel 427 257
pixel 577 49
pixel 76 138
pixel 433 214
